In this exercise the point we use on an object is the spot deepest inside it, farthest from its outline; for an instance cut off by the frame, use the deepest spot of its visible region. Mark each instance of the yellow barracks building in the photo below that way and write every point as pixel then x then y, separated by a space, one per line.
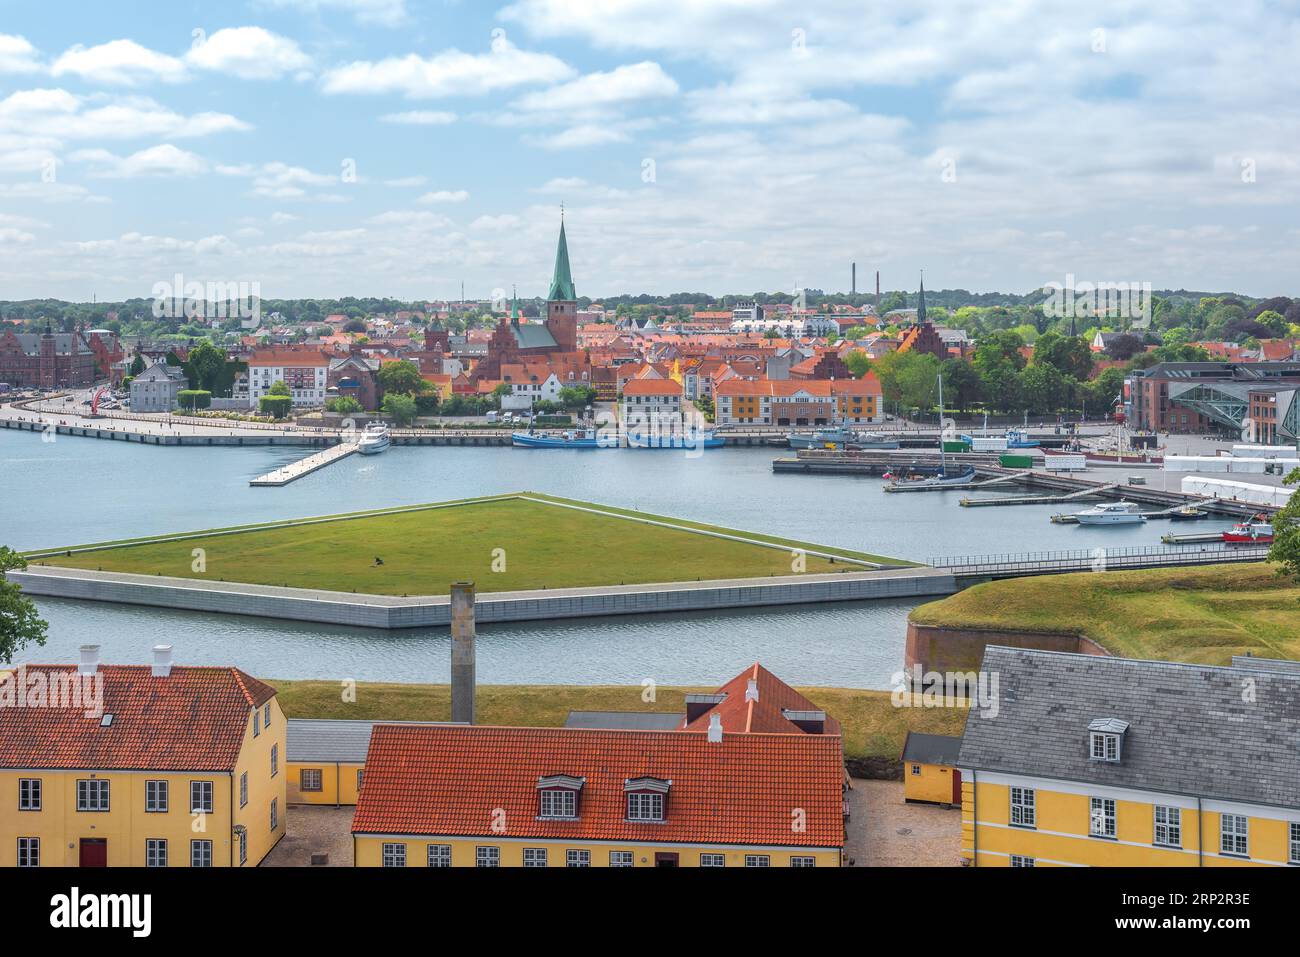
pixel 139 765
pixel 1098 761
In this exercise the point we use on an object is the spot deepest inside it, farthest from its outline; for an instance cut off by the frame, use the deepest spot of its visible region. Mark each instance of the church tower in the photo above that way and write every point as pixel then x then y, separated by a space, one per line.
pixel 562 299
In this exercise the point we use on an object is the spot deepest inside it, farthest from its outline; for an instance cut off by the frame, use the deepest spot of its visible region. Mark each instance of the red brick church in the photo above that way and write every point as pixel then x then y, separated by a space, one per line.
pixel 49 360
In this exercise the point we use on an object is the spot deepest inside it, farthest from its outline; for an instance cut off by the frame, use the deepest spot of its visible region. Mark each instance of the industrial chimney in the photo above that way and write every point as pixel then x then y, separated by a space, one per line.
pixel 462 652
pixel 854 283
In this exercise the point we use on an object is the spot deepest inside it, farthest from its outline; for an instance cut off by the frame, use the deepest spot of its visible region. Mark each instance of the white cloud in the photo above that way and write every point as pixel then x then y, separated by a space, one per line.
pixel 119 63
pixel 61 115
pixel 250 53
pixel 636 81
pixel 383 12
pixel 162 160
pixel 403 181
pixel 444 196
pixel 450 73
pixel 17 55
pixel 280 218
pixel 277 180
pixel 420 118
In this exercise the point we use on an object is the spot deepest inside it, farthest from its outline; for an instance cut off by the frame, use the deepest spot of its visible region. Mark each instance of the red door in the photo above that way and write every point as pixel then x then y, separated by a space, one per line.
pixel 956 787
pixel 94 852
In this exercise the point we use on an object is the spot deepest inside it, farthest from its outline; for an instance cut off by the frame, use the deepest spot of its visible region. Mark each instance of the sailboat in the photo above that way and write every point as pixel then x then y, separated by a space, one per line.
pixel 944 476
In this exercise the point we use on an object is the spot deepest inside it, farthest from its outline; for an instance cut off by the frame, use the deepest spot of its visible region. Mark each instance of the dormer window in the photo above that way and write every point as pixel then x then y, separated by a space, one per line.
pixel 557 797
pixel 1106 739
pixel 646 798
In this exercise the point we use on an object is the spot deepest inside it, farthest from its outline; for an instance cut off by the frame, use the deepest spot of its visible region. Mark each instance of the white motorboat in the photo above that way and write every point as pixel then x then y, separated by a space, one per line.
pixel 374 439
pixel 1111 513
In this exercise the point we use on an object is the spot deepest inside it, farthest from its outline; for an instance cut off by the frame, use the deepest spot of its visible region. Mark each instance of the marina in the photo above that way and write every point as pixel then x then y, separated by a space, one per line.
pixel 303 467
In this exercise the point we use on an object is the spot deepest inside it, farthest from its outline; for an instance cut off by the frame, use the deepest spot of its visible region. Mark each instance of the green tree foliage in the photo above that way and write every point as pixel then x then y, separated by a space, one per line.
pixel 1070 355
pixel 204 366
pixel 909 379
pixel 400 408
pixel 858 362
pixel 279 388
pixel 402 376
pixel 191 399
pixel 577 397
pixel 19 623
pixel 1286 532
pixel 961 383
pixel 344 404
pixel 276 406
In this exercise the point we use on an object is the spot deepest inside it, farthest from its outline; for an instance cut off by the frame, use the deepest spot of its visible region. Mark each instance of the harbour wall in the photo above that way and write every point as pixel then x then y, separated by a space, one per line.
pixel 942 649
pixel 379 611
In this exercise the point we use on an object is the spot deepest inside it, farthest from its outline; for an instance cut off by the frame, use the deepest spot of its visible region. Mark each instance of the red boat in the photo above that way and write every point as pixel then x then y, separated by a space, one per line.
pixel 1257 531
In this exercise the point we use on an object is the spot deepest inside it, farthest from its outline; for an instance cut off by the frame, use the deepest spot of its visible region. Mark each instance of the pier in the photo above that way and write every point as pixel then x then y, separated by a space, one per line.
pixel 312 463
pixel 1099 492
pixel 972 569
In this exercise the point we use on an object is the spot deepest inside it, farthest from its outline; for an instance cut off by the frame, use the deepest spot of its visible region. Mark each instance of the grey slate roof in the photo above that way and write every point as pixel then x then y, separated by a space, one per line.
pixel 332 739
pixel 625 720
pixel 1190 731
pixel 931 748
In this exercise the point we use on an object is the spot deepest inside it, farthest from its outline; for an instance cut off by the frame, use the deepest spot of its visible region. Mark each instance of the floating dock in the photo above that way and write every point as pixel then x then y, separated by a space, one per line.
pixel 312 463
pixel 1097 492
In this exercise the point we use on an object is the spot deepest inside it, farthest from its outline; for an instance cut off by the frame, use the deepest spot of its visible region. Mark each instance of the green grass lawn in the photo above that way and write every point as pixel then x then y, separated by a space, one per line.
pixel 424 549
pixel 1205 614
pixel 873 727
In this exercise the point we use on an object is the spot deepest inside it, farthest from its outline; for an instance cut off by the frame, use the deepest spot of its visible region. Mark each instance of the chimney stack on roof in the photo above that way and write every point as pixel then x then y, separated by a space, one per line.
pixel 715 728
pixel 751 689
pixel 162 661
pixel 462 652
pixel 89 660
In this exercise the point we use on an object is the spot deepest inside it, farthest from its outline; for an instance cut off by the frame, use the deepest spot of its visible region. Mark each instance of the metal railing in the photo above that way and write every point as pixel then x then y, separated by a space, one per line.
pixel 1099 559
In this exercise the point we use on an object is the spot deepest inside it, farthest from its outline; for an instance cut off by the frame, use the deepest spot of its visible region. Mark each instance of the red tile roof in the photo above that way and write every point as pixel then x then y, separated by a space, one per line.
pixel 652 387
pixel 764 714
pixel 192 720
pixel 449 781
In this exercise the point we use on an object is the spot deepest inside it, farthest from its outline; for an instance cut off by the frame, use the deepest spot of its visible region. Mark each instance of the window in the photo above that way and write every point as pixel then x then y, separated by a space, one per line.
pixel 29 794
pixel 92 795
pixel 1022 807
pixel 275 760
pixel 394 855
pixel 1234 834
pixel 558 802
pixel 275 813
pixel 645 807
pixel 257 724
pixel 243 789
pixel 757 860
pixel 1294 857
pixel 713 860
pixel 1101 820
pixel 533 856
pixel 243 846
pixel 360 774
pixel 200 853
pixel 1105 747
pixel 803 862
pixel 916 769
pixel 29 852
pixel 155 797
pixel 1018 861
pixel 439 855
pixel 155 852
pixel 200 797
pixel 1168 826
pixel 487 857
pixel 624 858
pixel 310 779
pixel 577 858
pixel 266 715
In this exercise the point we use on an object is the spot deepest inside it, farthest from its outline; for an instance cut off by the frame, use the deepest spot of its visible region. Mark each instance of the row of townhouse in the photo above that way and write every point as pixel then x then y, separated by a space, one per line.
pixel 793 402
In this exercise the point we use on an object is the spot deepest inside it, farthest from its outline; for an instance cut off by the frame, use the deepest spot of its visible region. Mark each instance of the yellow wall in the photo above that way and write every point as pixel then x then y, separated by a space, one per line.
pixel 338 783
pixel 369 851
pixel 1061 833
pixel 127 825
pixel 933 784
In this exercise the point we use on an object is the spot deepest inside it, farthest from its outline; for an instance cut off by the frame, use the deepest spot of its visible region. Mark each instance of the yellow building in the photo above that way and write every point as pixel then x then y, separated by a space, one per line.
pixel 751 776
pixel 139 765
pixel 930 770
pixel 1096 761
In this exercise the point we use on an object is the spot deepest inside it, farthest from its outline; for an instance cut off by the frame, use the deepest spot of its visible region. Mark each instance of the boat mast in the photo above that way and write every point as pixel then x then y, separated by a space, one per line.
pixel 943 465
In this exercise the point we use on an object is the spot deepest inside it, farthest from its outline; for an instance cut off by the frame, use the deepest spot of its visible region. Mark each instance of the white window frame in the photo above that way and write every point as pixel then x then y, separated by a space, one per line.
pixel 157 797
pixel 558 804
pixel 1234 835
pixel 1105 746
pixel 577 858
pixel 487 855
pixel 622 859
pixel 200 853
pixel 202 796
pixel 29 794
pixel 243 789
pixel 392 854
pixel 1023 807
pixel 266 715
pixel 1294 856
pixel 712 859
pixel 29 852
pixel 257 724
pixel 275 813
pixel 1102 814
pixel 802 860
pixel 310 779
pixel 535 857
pixel 1167 826
pixel 758 860
pixel 275 760
pixel 155 852
pixel 1018 860
pixel 438 855
pixel 645 806
pixel 93 795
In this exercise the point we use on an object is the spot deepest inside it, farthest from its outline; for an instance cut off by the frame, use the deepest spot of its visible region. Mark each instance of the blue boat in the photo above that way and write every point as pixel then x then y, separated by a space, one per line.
pixel 574 439
pixel 1019 439
pixel 674 440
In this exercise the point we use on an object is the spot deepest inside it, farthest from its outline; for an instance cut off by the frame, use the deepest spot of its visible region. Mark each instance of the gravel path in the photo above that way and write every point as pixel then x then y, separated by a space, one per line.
pixel 878 814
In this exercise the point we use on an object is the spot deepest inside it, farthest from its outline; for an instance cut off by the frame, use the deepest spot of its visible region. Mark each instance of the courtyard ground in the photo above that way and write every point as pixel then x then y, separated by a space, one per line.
pixel 311 829
pixel 884 831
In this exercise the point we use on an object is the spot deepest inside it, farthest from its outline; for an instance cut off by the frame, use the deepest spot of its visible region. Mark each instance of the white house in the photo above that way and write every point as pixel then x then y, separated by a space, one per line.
pixel 304 371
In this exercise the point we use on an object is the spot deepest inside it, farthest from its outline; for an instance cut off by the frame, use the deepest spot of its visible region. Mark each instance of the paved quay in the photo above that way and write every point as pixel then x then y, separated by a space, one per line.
pixel 312 463
pixel 424 611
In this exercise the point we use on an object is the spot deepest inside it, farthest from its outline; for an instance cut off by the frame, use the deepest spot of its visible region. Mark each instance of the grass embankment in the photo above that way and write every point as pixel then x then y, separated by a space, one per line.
pixel 1204 615
pixel 502 544
pixel 873 727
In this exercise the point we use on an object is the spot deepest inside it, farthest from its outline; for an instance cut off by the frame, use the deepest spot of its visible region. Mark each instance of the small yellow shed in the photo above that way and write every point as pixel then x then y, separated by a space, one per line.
pixel 930 769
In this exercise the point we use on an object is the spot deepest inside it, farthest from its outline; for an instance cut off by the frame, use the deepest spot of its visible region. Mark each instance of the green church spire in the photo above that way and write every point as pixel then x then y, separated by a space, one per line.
pixel 562 281
pixel 920 302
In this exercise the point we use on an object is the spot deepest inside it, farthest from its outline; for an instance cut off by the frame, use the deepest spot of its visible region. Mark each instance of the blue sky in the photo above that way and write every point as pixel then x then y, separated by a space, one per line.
pixel 710 145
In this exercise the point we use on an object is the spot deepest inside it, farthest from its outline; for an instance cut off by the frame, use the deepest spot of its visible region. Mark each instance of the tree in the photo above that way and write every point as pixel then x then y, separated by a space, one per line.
pixel 1124 346
pixel 577 397
pixel 400 408
pixel 193 398
pixel 1286 531
pixel 1044 388
pixel 1069 354
pixel 961 383
pixel 278 388
pixel 19 624
pixel 276 406
pixel 137 365
pixel 858 362
pixel 401 376
pixel 204 365
pixel 344 404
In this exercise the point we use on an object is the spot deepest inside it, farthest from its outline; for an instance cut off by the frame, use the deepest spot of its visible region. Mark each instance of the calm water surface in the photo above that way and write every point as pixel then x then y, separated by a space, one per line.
pixel 74 491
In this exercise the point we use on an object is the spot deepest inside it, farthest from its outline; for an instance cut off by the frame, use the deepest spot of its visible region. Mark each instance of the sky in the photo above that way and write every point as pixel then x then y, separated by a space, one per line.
pixel 404 147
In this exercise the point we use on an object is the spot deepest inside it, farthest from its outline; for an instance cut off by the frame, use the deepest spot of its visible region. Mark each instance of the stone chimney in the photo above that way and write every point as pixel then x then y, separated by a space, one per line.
pixel 715 729
pixel 751 689
pixel 89 660
pixel 462 652
pixel 162 661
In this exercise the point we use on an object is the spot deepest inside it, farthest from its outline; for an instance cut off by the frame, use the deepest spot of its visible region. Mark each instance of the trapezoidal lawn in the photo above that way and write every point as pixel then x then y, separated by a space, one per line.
pixel 517 542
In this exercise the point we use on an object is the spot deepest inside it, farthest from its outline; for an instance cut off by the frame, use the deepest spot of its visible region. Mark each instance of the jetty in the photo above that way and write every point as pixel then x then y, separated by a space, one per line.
pixel 312 463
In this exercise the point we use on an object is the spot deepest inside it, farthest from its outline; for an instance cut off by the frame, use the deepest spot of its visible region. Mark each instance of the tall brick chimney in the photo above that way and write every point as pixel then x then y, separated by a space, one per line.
pixel 462 652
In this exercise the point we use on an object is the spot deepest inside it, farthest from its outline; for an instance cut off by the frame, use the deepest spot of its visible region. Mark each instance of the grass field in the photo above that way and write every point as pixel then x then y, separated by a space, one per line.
pixel 873 727
pixel 1205 614
pixel 504 544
